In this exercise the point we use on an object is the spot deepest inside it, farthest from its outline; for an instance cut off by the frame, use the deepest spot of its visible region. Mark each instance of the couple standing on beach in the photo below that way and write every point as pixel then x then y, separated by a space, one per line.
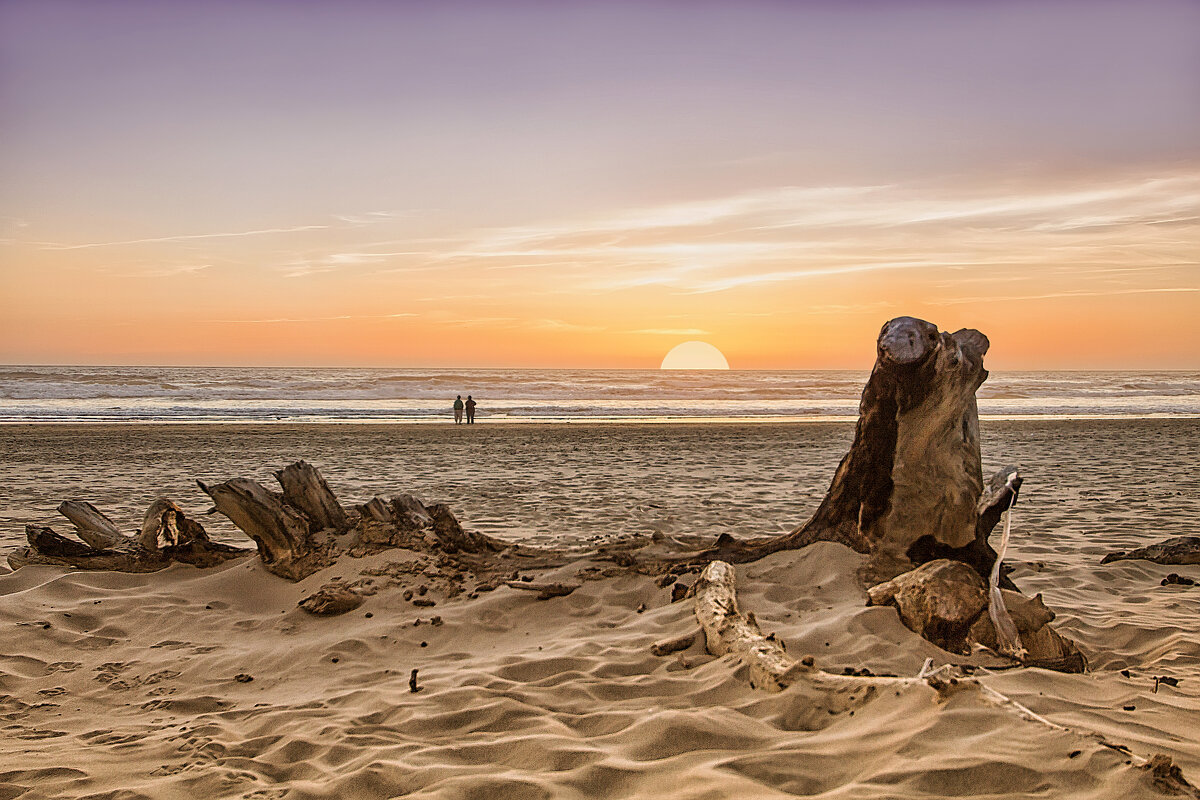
pixel 459 405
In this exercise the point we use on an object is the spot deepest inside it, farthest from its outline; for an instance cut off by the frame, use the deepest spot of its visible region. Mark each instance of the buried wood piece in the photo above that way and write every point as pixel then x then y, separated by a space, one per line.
pixel 545 590
pixel 91 524
pixel 305 488
pixel 944 602
pixel 911 487
pixel 675 645
pixel 1168 778
pixel 452 538
pixel 330 600
pixel 939 601
pixel 1177 550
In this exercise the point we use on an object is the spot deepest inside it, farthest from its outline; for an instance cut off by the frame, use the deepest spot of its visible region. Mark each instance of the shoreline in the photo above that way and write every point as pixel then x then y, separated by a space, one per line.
pixel 580 421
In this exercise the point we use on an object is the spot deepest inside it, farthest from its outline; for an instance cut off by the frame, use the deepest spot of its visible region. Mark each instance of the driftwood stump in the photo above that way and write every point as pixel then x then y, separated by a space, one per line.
pixel 911 492
pixel 911 488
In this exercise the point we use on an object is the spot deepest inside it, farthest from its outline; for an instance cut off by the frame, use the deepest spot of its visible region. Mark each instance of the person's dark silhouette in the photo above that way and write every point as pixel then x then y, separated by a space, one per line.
pixel 458 409
pixel 470 410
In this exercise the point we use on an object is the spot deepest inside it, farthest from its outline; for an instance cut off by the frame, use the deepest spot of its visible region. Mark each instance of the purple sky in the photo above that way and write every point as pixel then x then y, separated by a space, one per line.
pixel 128 121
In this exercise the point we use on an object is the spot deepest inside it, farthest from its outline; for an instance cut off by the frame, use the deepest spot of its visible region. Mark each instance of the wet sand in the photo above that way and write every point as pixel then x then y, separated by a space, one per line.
pixel 124 685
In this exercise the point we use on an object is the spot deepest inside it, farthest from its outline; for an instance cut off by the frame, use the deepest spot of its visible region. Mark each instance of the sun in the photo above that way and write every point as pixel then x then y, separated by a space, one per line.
pixel 694 355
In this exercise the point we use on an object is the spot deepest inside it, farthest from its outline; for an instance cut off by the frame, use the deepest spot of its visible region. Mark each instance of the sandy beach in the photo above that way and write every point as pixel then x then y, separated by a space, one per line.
pixel 125 686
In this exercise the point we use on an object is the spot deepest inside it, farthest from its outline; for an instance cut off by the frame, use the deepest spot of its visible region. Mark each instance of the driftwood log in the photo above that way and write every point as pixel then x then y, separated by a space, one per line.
pixel 1178 550
pixel 167 535
pixel 727 630
pixel 298 530
pixel 305 528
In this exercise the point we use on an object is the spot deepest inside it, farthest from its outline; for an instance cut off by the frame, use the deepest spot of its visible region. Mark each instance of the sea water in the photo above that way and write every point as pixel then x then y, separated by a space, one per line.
pixel 244 394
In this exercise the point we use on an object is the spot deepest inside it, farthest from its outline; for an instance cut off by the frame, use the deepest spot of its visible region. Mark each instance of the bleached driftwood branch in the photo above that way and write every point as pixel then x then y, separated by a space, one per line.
pixel 726 630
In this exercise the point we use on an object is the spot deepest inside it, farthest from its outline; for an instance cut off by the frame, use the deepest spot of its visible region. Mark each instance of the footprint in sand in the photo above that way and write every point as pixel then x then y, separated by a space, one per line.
pixel 110 671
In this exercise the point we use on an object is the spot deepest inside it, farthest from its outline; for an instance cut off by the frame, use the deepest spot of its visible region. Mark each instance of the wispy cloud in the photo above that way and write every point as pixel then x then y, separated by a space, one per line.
pixel 673 332
pixel 1056 295
pixel 164 271
pixel 336 261
pixel 181 237
pixel 342 221
pixel 560 326
pixel 785 235
pixel 289 320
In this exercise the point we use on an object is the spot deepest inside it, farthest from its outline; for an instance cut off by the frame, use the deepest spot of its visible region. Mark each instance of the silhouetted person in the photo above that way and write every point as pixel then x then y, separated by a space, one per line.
pixel 458 409
pixel 470 410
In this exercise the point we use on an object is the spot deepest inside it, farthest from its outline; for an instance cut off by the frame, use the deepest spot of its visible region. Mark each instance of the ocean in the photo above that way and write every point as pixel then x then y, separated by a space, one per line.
pixel 244 394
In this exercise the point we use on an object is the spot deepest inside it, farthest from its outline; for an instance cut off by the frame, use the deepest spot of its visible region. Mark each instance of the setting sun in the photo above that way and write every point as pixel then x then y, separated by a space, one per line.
pixel 695 355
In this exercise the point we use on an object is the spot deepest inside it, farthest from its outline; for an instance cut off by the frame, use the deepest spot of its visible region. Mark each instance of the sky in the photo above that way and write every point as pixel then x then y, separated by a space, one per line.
pixel 589 184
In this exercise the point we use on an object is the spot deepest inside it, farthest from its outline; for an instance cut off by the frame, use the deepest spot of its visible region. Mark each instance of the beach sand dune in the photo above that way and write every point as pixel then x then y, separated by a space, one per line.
pixel 126 686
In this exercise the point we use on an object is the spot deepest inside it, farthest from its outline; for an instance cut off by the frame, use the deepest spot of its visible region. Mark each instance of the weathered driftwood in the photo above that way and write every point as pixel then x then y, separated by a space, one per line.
pixel 287 544
pixel 304 488
pixel 167 535
pixel 1178 550
pixel 331 600
pixel 298 531
pixel 726 630
pixel 91 525
pixel 668 646
pixel 911 488
pixel 305 528
pixel 945 601
pixel 545 590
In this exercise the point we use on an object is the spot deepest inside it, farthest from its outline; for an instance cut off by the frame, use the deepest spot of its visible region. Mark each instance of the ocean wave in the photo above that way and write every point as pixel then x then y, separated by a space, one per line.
pixel 243 393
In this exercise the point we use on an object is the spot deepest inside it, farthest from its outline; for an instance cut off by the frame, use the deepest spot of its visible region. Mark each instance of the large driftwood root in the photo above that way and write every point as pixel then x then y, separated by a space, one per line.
pixel 167 535
pixel 305 528
pixel 298 530
pixel 911 492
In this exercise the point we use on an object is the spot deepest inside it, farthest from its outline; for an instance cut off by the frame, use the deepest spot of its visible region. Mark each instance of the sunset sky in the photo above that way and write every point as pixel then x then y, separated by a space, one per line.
pixel 588 184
